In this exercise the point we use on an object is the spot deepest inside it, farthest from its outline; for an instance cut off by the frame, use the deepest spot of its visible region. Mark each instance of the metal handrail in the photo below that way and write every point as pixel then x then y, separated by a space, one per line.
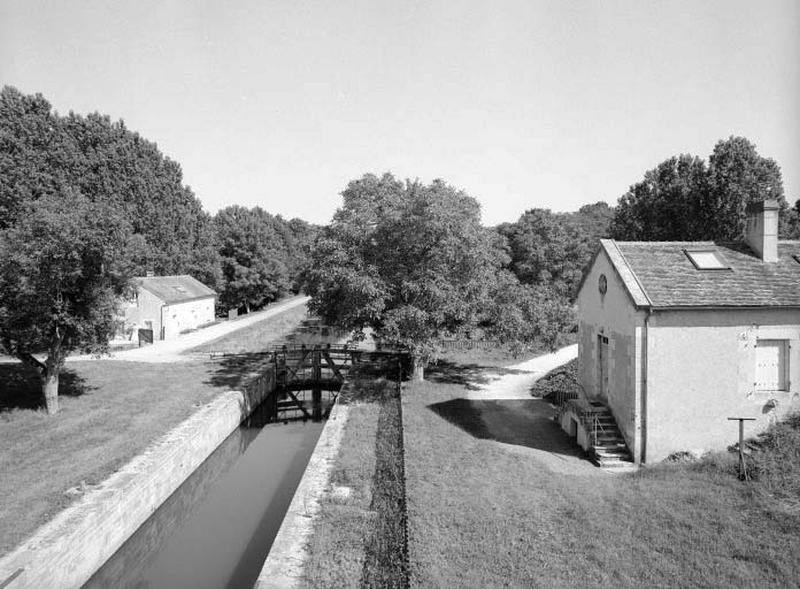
pixel 596 425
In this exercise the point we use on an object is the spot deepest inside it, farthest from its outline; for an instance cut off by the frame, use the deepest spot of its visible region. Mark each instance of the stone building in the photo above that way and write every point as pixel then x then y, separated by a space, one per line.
pixel 676 337
pixel 168 305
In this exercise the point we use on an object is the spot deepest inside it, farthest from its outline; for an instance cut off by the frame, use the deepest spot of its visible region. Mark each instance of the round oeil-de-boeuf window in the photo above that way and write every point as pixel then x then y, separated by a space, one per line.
pixel 602 284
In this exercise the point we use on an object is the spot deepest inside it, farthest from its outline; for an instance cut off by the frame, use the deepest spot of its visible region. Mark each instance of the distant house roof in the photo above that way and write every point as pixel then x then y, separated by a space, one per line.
pixel 175 289
pixel 664 274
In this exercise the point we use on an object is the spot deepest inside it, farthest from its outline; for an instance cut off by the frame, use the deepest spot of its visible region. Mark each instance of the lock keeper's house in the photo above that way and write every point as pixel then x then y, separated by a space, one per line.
pixel 676 337
pixel 166 306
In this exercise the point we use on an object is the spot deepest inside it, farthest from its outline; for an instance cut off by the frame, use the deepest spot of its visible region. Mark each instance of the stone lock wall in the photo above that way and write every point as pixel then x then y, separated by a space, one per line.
pixel 66 552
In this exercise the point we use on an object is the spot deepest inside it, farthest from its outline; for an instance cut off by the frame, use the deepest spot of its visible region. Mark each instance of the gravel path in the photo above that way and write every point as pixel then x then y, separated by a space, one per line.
pixel 523 425
pixel 169 351
pixel 514 382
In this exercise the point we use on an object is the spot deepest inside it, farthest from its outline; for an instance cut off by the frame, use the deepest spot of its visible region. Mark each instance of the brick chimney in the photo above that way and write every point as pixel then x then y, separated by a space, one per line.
pixel 762 229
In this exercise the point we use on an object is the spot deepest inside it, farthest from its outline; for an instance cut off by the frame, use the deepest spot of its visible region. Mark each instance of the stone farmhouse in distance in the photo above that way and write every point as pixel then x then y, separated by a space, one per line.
pixel 676 337
pixel 167 306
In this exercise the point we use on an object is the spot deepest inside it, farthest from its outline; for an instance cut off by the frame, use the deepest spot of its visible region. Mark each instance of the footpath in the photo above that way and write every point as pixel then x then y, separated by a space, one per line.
pixel 169 351
pixel 515 382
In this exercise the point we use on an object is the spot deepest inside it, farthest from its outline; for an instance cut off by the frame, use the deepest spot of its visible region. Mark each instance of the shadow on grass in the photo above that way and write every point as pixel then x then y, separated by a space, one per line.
pixel 522 422
pixel 22 389
pixel 232 372
pixel 470 376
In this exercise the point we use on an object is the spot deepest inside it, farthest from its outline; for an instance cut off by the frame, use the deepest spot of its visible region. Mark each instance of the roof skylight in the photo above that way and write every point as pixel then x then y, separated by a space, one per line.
pixel 707 260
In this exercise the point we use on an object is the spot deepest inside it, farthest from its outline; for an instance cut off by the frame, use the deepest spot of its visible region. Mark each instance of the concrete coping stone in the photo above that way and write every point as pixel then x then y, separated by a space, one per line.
pixel 283 568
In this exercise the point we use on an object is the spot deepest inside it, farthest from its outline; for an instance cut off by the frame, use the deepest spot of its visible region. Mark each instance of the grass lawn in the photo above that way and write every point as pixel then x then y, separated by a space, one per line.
pixel 260 336
pixel 110 412
pixel 486 514
pixel 359 539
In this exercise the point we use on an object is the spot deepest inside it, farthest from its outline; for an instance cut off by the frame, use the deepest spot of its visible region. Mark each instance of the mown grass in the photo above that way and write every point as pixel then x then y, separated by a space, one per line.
pixel 113 414
pixel 110 412
pixel 258 336
pixel 485 514
pixel 293 326
pixel 359 537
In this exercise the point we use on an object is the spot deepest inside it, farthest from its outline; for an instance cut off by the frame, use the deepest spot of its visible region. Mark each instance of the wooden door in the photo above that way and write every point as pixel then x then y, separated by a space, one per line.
pixel 602 365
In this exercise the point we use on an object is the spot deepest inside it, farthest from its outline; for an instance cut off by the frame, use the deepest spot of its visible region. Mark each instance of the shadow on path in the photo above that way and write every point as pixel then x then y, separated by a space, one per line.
pixel 522 422
pixel 471 376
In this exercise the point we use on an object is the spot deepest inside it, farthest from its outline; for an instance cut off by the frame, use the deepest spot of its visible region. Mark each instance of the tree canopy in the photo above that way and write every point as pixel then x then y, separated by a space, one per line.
pixel 410 261
pixel 41 151
pixel 252 257
pixel 551 250
pixel 85 204
pixel 63 268
pixel 684 198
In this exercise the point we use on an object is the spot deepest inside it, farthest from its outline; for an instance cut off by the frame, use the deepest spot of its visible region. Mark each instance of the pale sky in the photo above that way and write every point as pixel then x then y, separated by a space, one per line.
pixel 522 104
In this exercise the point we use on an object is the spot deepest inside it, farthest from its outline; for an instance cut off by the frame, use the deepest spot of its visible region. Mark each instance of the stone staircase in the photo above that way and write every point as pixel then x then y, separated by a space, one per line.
pixel 609 450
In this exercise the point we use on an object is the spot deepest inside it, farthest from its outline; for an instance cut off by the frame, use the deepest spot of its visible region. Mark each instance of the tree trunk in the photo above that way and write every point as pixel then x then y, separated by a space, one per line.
pixel 418 372
pixel 50 390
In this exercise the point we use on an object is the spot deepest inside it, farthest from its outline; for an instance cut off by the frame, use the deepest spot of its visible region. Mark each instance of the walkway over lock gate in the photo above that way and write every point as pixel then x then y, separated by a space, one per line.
pixel 316 368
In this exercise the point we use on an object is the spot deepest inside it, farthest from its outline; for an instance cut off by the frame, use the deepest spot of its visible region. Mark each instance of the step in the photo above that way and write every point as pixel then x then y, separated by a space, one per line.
pixel 611 454
pixel 610 446
pixel 606 435
pixel 616 464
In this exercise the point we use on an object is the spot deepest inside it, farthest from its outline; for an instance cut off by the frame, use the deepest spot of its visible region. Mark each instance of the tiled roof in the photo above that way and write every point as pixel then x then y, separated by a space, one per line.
pixel 664 275
pixel 175 289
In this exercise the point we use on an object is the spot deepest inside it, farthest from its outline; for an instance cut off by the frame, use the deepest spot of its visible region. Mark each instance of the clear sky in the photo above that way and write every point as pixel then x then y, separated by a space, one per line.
pixel 522 104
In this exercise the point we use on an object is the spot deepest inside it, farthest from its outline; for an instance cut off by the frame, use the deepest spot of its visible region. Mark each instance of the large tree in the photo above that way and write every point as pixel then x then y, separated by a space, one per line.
pixel 63 269
pixel 550 250
pixel 667 204
pixel 520 314
pixel 738 176
pixel 41 151
pixel 410 261
pixel 685 199
pixel 252 255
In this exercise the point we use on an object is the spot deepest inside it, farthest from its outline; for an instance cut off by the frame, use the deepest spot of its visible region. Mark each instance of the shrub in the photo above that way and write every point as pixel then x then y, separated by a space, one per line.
pixel 775 459
pixel 564 378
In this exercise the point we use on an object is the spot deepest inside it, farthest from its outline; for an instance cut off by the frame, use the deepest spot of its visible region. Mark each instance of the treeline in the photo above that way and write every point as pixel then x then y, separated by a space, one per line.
pixel 248 255
pixel 550 249
pixel 684 198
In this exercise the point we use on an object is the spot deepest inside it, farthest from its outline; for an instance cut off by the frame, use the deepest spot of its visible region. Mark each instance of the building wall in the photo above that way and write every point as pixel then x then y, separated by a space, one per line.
pixel 701 370
pixel 177 317
pixel 180 317
pixel 614 316
pixel 146 307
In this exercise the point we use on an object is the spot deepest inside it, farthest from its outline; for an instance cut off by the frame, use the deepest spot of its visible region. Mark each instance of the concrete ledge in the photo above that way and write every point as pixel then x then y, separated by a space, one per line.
pixel 284 565
pixel 69 549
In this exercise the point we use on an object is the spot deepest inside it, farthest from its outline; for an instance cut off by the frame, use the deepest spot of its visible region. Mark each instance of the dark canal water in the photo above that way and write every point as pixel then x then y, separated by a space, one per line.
pixel 216 530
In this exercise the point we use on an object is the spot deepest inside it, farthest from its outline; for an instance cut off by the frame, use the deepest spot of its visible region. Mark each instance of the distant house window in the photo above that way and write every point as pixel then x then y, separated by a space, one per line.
pixel 772 365
pixel 707 260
